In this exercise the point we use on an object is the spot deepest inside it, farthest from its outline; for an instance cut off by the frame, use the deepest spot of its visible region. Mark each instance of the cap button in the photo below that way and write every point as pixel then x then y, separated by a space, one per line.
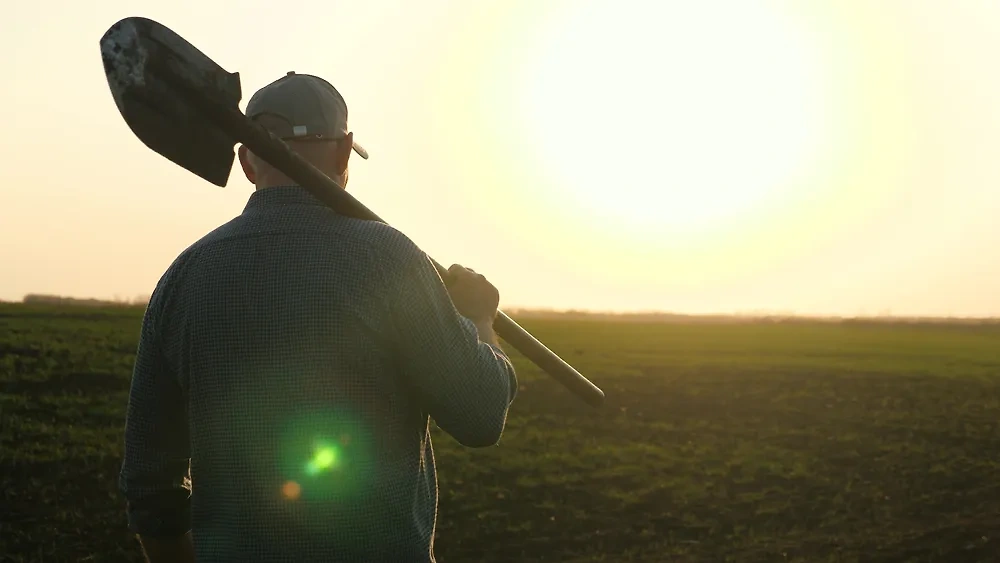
pixel 291 72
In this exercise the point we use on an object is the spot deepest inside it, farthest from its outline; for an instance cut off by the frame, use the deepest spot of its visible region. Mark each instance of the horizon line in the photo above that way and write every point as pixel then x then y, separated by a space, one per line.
pixel 762 314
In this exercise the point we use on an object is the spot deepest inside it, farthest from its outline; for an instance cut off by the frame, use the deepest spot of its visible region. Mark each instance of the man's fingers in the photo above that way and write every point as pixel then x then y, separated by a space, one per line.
pixel 473 295
pixel 454 274
pixel 459 272
pixel 459 275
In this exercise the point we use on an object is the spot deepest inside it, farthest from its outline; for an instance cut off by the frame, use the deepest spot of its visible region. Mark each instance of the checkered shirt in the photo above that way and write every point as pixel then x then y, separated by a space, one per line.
pixel 288 367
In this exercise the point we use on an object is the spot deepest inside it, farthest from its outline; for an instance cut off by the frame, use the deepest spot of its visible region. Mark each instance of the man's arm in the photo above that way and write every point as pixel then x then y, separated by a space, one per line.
pixel 155 474
pixel 455 364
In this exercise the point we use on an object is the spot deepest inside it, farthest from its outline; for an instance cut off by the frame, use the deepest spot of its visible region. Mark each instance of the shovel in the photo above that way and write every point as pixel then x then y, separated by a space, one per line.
pixel 184 106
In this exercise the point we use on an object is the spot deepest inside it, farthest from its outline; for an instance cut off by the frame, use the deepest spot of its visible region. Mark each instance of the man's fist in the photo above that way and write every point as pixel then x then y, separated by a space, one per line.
pixel 473 295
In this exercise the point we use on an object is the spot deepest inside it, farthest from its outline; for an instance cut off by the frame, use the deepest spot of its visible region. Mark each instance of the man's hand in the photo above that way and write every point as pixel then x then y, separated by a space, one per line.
pixel 475 298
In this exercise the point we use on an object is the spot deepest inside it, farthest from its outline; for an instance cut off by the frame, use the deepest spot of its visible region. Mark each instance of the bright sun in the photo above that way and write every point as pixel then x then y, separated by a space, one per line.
pixel 674 117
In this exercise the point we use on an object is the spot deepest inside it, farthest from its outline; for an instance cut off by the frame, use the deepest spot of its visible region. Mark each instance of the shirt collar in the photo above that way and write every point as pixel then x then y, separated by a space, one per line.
pixel 281 195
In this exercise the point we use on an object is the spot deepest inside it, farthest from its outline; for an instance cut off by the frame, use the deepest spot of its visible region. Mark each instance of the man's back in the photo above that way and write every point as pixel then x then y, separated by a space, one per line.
pixel 295 356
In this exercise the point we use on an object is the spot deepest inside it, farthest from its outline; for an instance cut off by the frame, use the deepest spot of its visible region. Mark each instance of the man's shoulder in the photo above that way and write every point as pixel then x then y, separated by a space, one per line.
pixel 384 241
pixel 384 244
pixel 219 233
pixel 182 260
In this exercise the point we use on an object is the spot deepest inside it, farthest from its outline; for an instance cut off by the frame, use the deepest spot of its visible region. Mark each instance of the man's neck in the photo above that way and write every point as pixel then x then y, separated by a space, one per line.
pixel 287 182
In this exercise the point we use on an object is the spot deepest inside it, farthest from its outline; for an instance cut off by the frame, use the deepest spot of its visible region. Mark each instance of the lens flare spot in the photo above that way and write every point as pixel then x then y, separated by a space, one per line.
pixel 325 458
pixel 291 490
pixel 329 452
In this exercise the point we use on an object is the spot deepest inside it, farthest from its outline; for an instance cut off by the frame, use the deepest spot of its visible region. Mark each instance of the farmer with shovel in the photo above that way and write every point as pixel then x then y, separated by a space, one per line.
pixel 289 363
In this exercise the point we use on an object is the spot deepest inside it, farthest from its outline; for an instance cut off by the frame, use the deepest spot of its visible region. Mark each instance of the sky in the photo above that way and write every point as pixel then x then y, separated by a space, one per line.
pixel 760 156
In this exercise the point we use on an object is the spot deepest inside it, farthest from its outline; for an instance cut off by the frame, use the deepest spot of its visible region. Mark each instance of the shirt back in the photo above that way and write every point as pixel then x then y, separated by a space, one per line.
pixel 305 353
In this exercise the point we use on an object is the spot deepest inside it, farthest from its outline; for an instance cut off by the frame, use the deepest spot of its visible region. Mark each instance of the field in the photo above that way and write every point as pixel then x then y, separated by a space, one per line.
pixel 759 441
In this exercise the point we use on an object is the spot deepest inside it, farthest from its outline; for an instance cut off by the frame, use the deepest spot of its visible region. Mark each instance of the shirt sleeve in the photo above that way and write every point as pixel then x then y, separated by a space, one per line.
pixel 465 385
pixel 155 472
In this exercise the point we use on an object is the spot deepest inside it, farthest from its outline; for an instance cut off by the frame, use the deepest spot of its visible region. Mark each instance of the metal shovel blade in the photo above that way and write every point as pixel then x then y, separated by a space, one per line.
pixel 137 54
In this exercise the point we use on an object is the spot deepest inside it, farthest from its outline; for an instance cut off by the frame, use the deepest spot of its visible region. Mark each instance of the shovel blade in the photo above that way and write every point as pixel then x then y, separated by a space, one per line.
pixel 140 55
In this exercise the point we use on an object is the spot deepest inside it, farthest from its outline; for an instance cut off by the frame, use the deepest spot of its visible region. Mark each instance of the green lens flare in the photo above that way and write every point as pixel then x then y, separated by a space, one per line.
pixel 328 453
pixel 324 458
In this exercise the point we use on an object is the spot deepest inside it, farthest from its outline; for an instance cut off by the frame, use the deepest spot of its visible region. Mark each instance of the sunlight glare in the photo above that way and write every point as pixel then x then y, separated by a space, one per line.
pixel 674 117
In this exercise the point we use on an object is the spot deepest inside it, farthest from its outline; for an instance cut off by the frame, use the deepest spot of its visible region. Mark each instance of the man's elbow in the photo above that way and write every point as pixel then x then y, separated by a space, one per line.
pixel 483 432
pixel 483 437
pixel 481 424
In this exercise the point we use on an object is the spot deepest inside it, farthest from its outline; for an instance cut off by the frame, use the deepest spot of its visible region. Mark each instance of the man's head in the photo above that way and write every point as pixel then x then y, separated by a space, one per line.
pixel 310 115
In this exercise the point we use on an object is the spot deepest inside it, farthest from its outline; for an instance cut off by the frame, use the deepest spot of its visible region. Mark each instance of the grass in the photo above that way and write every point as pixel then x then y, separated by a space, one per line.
pixel 790 442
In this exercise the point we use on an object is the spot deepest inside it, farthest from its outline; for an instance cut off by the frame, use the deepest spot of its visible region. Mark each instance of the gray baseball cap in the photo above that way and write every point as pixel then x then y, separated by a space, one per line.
pixel 308 106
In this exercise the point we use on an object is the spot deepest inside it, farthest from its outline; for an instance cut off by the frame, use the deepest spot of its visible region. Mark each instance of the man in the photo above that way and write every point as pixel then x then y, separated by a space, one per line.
pixel 288 365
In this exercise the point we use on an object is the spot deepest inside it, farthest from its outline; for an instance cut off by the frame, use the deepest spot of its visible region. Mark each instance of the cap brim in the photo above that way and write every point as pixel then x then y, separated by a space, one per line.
pixel 360 150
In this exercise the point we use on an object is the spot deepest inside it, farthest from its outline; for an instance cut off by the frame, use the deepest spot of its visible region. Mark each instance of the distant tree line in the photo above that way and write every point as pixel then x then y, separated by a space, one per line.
pixel 575 314
pixel 737 318
pixel 43 299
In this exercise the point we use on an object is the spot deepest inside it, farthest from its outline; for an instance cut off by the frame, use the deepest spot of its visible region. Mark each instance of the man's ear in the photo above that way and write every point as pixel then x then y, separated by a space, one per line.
pixel 248 168
pixel 343 155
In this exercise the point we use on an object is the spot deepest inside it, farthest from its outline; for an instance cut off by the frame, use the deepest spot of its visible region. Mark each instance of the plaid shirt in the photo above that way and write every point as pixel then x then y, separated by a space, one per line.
pixel 288 367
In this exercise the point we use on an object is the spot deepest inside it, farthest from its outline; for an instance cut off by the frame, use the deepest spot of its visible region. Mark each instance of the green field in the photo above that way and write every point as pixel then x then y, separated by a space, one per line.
pixel 792 441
